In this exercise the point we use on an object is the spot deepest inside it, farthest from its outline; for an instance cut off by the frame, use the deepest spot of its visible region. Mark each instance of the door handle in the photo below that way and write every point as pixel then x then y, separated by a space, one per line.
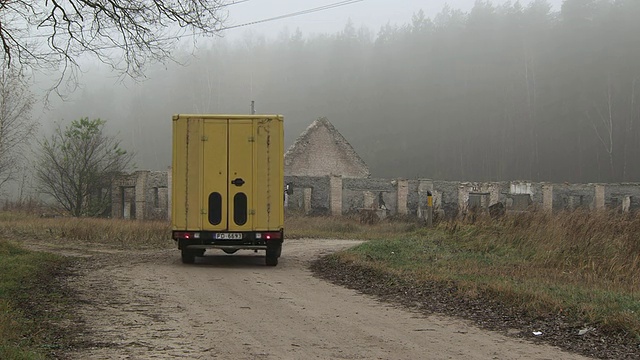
pixel 238 182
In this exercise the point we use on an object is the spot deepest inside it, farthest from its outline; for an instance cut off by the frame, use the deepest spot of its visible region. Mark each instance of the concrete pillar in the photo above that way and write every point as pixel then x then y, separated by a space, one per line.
pixel 126 210
pixel 424 186
pixel 598 202
pixel 547 197
pixel 494 194
pixel 141 190
pixel 306 205
pixel 116 200
pixel 403 193
pixel 463 196
pixel 335 200
pixel 369 200
pixel 169 192
pixel 626 204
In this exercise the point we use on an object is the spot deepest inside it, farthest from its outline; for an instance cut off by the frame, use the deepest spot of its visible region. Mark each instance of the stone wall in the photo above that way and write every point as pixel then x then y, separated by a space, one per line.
pixel 142 195
pixel 623 197
pixel 145 195
pixel 451 198
pixel 310 195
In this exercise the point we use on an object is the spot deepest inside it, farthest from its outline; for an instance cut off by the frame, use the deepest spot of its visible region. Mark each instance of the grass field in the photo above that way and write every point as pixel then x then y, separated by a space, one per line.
pixel 29 299
pixel 582 265
pixel 120 234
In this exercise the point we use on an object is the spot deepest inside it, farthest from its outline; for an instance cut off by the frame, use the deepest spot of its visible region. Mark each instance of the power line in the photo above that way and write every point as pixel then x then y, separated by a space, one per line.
pixel 279 17
pixel 236 2
pixel 298 13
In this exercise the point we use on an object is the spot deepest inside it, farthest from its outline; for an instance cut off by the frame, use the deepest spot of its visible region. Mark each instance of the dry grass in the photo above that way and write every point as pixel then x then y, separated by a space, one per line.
pixel 587 248
pixel 121 234
pixel 297 226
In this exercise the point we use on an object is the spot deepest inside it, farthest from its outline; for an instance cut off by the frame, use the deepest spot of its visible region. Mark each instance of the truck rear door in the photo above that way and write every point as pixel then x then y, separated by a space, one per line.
pixel 228 175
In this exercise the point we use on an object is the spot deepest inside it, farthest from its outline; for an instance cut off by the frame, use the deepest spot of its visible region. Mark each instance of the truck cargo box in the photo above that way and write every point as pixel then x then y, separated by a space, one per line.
pixel 228 184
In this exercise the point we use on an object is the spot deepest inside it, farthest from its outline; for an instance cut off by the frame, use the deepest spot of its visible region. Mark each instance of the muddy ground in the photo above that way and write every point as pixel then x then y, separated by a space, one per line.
pixel 148 305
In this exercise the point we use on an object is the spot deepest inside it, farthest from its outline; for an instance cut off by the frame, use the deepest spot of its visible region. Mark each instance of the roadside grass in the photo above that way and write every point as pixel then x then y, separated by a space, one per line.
pixel 29 300
pixel 33 302
pixel 581 265
pixel 346 227
pixel 89 232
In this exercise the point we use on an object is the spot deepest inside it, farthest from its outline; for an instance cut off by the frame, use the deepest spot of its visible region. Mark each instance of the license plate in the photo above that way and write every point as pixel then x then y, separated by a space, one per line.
pixel 229 236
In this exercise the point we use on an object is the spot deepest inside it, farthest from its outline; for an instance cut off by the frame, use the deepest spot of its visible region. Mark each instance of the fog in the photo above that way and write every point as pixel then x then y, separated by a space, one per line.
pixel 542 91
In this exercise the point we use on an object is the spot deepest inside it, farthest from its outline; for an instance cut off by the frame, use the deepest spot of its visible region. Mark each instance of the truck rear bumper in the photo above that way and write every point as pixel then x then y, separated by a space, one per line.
pixel 226 247
pixel 210 240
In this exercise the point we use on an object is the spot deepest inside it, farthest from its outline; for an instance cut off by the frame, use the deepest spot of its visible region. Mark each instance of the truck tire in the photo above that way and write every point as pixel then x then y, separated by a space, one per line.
pixel 271 260
pixel 188 257
pixel 273 253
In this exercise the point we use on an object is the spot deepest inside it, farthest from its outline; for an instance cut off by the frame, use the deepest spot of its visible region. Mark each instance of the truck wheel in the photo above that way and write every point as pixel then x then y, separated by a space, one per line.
pixel 279 252
pixel 271 260
pixel 230 251
pixel 273 253
pixel 188 257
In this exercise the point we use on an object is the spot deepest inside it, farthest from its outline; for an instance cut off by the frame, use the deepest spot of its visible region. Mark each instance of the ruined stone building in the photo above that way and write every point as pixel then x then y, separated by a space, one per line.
pixel 142 195
pixel 320 151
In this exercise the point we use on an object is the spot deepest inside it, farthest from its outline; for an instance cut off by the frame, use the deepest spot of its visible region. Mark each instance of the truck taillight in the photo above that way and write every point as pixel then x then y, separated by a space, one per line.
pixel 186 235
pixel 271 235
pixel 181 235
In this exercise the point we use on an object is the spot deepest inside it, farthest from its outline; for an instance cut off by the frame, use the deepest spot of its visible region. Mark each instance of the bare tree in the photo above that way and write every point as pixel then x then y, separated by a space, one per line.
pixel 77 165
pixel 605 129
pixel 16 124
pixel 125 34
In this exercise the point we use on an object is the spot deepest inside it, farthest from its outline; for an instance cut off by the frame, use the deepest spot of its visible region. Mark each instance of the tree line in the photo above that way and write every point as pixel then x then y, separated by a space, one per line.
pixel 499 93
pixel 502 92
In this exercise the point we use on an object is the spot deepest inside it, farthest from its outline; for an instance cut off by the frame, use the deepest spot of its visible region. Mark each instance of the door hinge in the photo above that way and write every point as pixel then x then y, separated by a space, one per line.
pixel 252 212
pixel 203 211
pixel 251 139
pixel 204 138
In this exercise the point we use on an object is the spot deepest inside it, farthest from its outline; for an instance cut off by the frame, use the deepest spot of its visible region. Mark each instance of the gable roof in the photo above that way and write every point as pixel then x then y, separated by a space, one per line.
pixel 301 147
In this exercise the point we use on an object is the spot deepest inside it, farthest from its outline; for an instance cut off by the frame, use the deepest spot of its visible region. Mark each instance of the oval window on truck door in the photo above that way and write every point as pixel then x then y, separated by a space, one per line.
pixel 215 208
pixel 240 209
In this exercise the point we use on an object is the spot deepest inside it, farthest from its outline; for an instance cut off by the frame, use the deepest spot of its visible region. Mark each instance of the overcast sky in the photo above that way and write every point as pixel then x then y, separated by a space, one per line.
pixel 372 13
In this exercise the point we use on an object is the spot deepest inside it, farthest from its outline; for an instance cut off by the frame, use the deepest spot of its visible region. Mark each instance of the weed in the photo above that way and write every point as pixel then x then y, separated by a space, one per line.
pixel 123 234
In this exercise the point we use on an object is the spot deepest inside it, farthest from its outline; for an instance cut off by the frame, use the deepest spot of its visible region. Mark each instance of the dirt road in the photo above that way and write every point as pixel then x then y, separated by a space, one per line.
pixel 149 305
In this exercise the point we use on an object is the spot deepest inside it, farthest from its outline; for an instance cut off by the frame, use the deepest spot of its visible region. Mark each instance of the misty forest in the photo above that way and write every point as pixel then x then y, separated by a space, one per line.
pixel 503 92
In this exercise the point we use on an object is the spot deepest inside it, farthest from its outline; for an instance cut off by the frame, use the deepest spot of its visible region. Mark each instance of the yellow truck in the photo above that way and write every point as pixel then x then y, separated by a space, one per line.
pixel 228 184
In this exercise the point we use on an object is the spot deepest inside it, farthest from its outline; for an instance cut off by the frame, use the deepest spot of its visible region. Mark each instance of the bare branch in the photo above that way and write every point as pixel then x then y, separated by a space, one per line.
pixel 16 124
pixel 124 34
